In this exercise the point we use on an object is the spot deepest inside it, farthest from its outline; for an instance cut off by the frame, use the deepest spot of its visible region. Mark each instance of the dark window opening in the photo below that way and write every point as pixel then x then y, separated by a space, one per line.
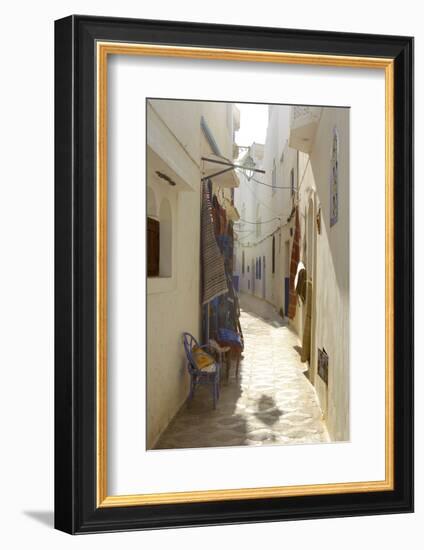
pixel 153 234
pixel 273 255
pixel 242 262
pixel 292 189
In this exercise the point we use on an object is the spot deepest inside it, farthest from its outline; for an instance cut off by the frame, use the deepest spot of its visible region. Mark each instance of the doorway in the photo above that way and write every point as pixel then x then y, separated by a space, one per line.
pixel 311 270
pixel 286 276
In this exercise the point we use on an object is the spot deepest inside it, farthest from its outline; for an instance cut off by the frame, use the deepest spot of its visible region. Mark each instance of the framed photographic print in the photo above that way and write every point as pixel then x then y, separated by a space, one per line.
pixel 234 274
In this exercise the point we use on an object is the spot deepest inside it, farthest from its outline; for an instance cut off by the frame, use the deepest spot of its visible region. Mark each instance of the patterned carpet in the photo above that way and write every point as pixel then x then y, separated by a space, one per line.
pixel 272 403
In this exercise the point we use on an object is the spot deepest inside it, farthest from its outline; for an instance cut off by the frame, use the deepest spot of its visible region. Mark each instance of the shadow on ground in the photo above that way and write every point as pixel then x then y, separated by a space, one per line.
pixel 199 425
pixel 266 313
pixel 298 349
pixel 268 412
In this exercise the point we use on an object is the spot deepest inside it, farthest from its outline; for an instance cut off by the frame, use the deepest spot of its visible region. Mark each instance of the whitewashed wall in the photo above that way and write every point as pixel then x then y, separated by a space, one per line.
pixel 331 269
pixel 173 302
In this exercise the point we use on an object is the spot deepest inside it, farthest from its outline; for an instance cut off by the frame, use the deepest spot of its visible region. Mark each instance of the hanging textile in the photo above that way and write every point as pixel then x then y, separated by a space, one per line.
pixel 295 255
pixel 219 217
pixel 300 281
pixel 214 282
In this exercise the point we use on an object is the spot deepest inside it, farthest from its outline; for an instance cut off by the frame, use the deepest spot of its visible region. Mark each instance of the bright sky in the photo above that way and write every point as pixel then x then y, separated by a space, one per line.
pixel 253 123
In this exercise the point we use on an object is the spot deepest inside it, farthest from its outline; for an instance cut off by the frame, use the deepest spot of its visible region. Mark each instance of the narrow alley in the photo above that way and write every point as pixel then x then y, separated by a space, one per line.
pixel 272 402
pixel 261 271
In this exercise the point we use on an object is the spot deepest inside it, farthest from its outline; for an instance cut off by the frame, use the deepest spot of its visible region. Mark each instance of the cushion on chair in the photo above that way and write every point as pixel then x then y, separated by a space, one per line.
pixel 210 368
pixel 201 358
pixel 227 337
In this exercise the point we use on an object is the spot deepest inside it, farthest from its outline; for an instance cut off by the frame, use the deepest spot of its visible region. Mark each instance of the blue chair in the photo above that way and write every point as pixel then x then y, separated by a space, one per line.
pixel 210 375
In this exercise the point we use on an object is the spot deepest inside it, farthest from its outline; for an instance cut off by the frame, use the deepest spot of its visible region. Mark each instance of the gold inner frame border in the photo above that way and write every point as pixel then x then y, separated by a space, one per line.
pixel 103 50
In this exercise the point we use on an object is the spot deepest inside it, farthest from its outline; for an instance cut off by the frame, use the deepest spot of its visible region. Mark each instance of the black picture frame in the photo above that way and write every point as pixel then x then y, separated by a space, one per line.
pixel 76 510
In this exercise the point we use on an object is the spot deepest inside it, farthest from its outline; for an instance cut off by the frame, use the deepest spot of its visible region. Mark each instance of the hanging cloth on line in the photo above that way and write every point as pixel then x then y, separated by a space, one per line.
pixel 300 281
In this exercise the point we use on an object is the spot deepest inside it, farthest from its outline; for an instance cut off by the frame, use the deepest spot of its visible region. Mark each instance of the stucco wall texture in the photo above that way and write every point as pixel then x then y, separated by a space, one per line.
pixel 173 302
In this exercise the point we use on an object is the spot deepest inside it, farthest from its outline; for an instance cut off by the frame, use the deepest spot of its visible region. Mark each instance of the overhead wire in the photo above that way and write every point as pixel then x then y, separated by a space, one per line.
pixel 295 204
pixel 259 223
pixel 268 184
pixel 253 191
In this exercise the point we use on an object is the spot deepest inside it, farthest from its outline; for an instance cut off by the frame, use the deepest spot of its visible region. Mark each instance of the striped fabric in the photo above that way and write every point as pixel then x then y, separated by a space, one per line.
pixel 214 281
pixel 295 255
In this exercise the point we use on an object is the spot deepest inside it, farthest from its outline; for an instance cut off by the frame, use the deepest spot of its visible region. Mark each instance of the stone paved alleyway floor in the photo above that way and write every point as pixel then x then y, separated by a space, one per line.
pixel 272 403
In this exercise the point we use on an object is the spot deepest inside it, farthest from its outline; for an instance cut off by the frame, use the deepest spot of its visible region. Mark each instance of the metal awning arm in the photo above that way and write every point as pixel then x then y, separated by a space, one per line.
pixel 217 174
pixel 233 166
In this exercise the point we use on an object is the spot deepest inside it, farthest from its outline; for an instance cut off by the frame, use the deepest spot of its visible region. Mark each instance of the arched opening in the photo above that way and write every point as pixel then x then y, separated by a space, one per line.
pixel 311 239
pixel 334 179
pixel 153 235
pixel 258 221
pixel 152 209
pixel 243 216
pixel 292 187
pixel 165 246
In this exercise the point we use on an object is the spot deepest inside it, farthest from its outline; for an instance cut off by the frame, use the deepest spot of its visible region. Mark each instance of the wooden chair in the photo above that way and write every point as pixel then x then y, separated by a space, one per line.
pixel 221 351
pixel 234 341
